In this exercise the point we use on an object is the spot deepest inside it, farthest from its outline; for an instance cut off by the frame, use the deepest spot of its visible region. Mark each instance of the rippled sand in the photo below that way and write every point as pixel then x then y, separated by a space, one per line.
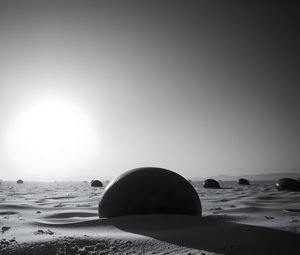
pixel 62 218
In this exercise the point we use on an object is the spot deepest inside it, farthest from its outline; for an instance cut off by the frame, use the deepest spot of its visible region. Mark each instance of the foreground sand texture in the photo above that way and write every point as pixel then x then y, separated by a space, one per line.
pixel 62 218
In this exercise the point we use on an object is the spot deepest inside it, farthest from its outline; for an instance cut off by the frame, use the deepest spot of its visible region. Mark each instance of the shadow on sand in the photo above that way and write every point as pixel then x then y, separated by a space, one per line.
pixel 211 234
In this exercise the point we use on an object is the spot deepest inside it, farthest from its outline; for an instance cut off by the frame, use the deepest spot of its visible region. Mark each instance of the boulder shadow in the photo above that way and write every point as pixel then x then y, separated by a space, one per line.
pixel 210 234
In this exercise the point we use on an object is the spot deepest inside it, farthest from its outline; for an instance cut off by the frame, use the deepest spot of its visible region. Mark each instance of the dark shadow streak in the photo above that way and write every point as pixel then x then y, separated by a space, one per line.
pixel 211 234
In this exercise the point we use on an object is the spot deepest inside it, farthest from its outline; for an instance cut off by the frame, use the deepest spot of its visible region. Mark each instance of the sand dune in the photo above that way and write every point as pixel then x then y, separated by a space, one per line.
pixel 62 218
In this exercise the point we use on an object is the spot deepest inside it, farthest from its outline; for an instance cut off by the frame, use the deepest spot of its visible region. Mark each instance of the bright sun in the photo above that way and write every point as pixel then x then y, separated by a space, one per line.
pixel 50 136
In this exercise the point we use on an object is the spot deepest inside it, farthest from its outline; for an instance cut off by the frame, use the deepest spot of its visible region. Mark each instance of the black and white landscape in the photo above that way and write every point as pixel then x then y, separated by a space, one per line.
pixel 207 89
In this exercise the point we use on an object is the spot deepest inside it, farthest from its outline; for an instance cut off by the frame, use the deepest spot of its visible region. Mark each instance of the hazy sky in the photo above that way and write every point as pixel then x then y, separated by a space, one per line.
pixel 94 88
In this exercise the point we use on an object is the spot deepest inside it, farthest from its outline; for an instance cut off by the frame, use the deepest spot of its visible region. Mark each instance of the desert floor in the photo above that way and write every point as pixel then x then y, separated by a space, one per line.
pixel 62 218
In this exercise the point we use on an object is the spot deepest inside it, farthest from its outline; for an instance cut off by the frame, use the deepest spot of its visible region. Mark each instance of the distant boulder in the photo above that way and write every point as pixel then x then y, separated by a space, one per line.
pixel 243 181
pixel 211 184
pixel 96 183
pixel 288 184
pixel 149 190
pixel 20 182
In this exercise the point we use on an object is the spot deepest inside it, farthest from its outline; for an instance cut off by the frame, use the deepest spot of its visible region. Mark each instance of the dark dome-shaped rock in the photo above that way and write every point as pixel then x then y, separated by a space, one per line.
pixel 211 184
pixel 288 184
pixel 96 183
pixel 149 190
pixel 19 181
pixel 243 181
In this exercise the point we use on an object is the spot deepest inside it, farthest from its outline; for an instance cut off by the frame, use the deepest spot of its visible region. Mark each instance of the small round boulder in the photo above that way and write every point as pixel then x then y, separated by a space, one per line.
pixel 243 181
pixel 96 183
pixel 211 184
pixel 149 190
pixel 288 184
pixel 20 182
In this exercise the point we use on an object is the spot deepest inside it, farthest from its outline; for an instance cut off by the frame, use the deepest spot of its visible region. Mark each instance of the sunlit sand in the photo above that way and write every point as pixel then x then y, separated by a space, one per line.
pixel 62 218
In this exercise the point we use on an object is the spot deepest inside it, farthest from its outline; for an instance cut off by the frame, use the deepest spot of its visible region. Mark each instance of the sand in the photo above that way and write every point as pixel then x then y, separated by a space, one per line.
pixel 62 218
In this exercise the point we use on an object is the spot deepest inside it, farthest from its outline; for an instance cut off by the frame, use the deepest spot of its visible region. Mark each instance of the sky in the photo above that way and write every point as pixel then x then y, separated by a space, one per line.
pixel 95 88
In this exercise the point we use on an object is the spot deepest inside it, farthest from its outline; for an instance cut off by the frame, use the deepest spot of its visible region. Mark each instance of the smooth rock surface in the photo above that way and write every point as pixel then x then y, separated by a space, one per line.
pixel 243 181
pixel 96 183
pixel 149 190
pixel 211 184
pixel 288 184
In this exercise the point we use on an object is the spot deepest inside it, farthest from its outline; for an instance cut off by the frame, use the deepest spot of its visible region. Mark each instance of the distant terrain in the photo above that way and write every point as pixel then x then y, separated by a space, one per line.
pixel 254 177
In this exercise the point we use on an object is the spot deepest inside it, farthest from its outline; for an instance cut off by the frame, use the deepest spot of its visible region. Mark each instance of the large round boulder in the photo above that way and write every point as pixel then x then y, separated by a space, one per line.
pixel 211 184
pixel 243 181
pixel 149 190
pixel 288 184
pixel 20 182
pixel 96 183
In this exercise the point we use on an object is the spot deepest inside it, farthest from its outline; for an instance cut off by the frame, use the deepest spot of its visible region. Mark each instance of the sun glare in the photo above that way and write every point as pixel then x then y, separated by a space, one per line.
pixel 51 135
